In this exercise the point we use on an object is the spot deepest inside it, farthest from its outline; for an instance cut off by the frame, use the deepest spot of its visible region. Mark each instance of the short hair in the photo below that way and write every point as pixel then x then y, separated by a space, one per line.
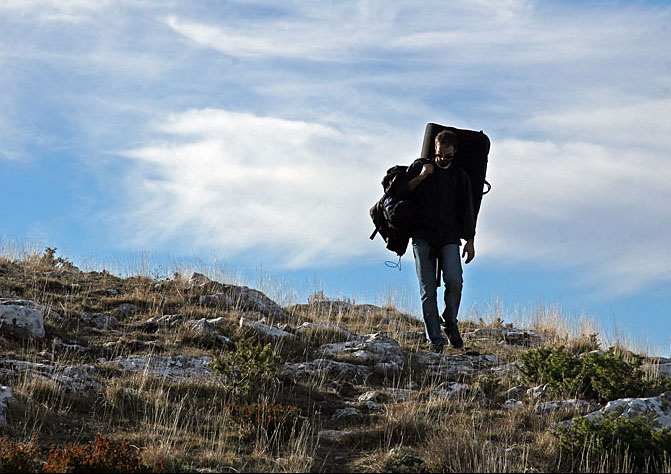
pixel 447 137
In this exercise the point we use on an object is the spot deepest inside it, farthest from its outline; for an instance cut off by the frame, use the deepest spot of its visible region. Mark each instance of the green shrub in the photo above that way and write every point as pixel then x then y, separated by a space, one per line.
pixel 612 433
pixel 48 259
pixel 248 368
pixel 594 376
pixel 16 457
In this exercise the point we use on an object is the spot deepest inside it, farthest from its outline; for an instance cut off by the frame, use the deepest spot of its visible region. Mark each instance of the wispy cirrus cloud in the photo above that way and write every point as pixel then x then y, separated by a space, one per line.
pixel 294 193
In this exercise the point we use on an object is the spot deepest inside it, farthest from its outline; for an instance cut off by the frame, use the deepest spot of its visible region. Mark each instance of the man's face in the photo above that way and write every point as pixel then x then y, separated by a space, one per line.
pixel 444 154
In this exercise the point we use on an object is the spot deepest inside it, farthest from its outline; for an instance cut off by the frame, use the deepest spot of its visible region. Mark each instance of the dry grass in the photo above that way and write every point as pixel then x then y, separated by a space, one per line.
pixel 185 425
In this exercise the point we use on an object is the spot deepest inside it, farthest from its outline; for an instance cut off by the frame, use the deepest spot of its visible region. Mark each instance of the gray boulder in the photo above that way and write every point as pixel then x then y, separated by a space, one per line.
pixel 264 330
pixel 572 405
pixel 170 368
pixel 70 377
pixel 166 320
pixel 324 369
pixel 233 297
pixel 22 318
pixel 452 390
pixel 454 367
pixel 6 397
pixel 656 409
pixel 100 321
pixel 380 351
pixel 349 412
pixel 512 405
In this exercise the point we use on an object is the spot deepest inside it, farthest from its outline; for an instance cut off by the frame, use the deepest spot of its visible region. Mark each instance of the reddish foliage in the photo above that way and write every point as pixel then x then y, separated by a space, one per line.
pixel 273 417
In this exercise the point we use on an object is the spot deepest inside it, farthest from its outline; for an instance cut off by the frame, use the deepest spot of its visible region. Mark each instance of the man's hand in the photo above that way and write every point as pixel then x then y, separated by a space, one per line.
pixel 469 249
pixel 427 170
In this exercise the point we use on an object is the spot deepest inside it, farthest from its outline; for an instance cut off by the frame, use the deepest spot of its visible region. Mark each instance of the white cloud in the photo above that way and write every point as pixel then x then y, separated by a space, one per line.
pixel 597 200
pixel 294 193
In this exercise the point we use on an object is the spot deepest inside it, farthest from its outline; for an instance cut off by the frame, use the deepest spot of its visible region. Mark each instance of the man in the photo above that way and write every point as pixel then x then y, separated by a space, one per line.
pixel 441 193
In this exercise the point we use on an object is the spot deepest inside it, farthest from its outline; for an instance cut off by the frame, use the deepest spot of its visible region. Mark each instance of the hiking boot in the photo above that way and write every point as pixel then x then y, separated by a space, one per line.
pixel 454 337
pixel 438 348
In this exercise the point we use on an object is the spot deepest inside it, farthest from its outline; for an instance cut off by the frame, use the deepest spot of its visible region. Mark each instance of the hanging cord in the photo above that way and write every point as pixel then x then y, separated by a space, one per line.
pixel 392 264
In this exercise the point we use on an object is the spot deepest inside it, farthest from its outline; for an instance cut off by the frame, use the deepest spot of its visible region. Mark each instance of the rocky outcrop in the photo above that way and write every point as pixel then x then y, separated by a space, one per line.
pixel 100 321
pixel 238 298
pixel 380 351
pixel 452 390
pixel 454 367
pixel 572 405
pixel 263 330
pixel 6 397
pixel 511 336
pixel 655 409
pixel 22 318
pixel 323 305
pixel 165 320
pixel 70 377
pixel 323 369
pixel 170 368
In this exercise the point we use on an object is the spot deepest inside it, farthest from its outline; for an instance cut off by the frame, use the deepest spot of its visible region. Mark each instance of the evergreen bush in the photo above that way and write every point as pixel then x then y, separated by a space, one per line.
pixel 596 376
pixel 614 434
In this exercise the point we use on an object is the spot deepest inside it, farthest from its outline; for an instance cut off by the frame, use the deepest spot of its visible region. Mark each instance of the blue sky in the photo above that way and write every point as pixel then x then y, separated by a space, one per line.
pixel 255 135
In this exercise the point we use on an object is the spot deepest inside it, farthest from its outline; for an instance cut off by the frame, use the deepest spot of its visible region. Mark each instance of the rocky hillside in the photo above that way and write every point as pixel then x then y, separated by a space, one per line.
pixel 190 374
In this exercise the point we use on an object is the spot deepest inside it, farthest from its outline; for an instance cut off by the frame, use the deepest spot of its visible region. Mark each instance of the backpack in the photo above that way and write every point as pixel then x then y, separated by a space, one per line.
pixel 472 155
pixel 393 217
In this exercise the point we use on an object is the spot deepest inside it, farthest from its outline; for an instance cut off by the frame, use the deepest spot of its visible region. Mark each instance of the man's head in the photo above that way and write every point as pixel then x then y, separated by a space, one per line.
pixel 446 147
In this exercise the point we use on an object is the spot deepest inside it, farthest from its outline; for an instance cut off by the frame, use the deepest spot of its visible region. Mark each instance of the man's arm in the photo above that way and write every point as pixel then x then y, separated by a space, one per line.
pixel 427 170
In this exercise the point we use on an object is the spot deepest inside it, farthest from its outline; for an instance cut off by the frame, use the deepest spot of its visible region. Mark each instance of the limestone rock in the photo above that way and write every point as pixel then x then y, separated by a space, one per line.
pixel 374 396
pixel 330 435
pixel 166 320
pixel 656 409
pixel 100 321
pixel 233 297
pixel 324 369
pixel 452 390
pixel 573 405
pixel 348 412
pixel 324 305
pixel 6 397
pixel 22 318
pixel 71 377
pixel 512 404
pixel 377 350
pixel 58 344
pixel 539 392
pixel 454 367
pixel 509 336
pixel 170 368
pixel 264 330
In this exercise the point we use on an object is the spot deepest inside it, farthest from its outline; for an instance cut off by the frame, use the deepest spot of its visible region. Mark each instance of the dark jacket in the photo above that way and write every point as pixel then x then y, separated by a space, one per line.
pixel 443 204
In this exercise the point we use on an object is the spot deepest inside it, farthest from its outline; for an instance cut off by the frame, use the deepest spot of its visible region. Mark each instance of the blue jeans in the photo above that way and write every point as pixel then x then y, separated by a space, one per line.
pixel 427 273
